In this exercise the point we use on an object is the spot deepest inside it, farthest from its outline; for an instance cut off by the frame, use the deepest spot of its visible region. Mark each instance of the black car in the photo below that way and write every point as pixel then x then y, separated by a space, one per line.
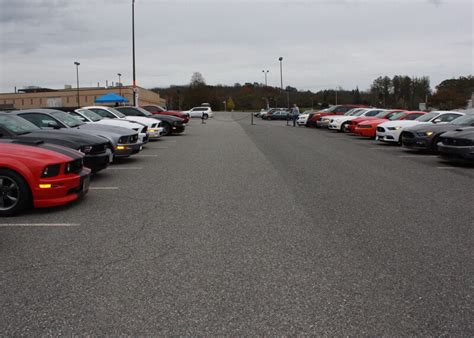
pixel 277 115
pixel 426 136
pixel 96 149
pixel 123 141
pixel 170 124
pixel 458 145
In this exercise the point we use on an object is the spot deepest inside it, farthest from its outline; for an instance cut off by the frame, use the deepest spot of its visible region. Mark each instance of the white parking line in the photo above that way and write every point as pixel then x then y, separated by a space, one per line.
pixel 124 168
pixel 40 225
pixel 103 188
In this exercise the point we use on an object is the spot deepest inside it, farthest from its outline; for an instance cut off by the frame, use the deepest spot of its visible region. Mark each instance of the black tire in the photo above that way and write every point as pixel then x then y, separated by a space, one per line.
pixel 13 186
pixel 205 116
pixel 166 129
pixel 400 140
pixel 434 145
pixel 343 127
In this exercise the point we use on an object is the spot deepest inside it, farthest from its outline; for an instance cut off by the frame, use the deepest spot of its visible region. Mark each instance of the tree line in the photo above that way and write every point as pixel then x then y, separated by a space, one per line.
pixel 400 91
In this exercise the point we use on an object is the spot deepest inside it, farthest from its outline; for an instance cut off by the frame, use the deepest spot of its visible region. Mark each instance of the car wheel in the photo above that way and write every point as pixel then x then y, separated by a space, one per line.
pixel 344 127
pixel 205 116
pixel 166 129
pixel 400 139
pixel 434 145
pixel 15 194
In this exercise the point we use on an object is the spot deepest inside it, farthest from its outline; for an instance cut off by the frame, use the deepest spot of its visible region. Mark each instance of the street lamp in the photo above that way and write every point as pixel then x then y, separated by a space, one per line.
pixel 120 84
pixel 265 72
pixel 133 52
pixel 77 78
pixel 281 71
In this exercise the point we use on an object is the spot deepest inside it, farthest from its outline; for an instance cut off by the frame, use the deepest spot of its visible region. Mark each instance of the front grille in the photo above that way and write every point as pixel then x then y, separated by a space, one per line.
pixel 408 134
pixel 457 142
pixel 154 125
pixel 74 167
pixel 134 138
pixel 381 129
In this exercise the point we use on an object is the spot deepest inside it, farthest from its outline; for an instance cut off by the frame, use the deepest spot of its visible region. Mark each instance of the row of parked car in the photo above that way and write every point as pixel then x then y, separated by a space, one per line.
pixel 48 155
pixel 447 133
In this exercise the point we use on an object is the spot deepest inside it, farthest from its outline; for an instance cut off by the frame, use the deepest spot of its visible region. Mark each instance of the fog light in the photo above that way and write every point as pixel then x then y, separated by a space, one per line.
pixel 120 148
pixel 45 186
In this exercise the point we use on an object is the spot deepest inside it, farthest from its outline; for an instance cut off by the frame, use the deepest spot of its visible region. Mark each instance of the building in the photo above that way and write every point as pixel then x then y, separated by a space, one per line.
pixel 34 97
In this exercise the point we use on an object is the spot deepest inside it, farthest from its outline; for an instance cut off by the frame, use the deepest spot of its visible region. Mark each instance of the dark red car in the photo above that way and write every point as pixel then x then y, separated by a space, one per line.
pixel 160 110
pixel 335 110
pixel 40 175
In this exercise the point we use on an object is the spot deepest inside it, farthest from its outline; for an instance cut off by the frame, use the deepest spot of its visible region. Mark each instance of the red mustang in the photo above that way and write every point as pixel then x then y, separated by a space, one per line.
pixel 314 118
pixel 369 128
pixel 384 114
pixel 162 111
pixel 38 174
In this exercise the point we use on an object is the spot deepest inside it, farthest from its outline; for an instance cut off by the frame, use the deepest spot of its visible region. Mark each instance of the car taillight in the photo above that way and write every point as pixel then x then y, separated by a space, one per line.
pixel 51 171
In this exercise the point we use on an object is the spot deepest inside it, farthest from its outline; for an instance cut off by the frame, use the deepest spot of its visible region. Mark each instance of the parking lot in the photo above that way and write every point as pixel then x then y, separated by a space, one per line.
pixel 238 229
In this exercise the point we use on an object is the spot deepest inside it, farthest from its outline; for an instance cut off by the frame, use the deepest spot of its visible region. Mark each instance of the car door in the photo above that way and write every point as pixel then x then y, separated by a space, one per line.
pixel 44 121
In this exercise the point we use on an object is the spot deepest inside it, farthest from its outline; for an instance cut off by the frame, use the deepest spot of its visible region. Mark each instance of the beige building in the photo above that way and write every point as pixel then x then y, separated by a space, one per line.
pixel 51 98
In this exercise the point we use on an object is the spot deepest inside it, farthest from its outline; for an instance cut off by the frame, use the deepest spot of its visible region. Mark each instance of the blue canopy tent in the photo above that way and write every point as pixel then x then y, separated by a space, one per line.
pixel 111 97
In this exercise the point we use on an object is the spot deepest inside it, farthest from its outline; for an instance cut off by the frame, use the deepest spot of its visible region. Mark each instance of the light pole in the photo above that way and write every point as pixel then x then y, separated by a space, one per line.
pixel 77 78
pixel 265 72
pixel 281 72
pixel 133 52
pixel 120 84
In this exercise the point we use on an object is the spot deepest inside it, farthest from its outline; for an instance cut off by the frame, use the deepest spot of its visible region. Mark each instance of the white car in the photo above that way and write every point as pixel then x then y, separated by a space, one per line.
pixel 88 116
pixel 391 131
pixel 201 112
pixel 325 120
pixel 303 118
pixel 154 131
pixel 339 123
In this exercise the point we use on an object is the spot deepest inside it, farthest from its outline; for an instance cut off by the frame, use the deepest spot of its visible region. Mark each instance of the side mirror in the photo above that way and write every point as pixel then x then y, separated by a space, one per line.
pixel 53 125
pixel 437 120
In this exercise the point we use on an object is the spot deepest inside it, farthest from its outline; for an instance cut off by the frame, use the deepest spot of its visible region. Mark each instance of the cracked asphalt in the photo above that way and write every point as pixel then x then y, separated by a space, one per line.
pixel 233 229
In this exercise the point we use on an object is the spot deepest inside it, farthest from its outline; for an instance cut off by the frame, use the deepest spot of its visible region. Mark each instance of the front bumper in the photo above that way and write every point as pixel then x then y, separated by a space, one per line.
pixel 178 129
pixel 97 162
pixel 125 150
pixel 63 190
pixel 142 138
pixel 455 153
pixel 388 136
pixel 154 133
pixel 365 132
pixel 334 126
pixel 417 142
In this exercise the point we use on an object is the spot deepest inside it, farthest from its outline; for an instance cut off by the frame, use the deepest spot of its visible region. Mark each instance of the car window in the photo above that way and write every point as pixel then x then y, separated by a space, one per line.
pixel 16 124
pixel 40 120
pixel 427 117
pixel 78 117
pixel 103 113
pixel 94 117
pixel 466 120
pixel 373 113
pixel 66 119
pixel 413 116
pixel 448 117
pixel 130 112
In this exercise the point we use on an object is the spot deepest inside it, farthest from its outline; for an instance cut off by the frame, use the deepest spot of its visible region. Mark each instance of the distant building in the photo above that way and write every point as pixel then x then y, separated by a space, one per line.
pixel 35 97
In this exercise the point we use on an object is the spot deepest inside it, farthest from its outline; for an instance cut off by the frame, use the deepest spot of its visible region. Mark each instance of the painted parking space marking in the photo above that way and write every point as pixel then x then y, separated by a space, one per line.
pixel 40 225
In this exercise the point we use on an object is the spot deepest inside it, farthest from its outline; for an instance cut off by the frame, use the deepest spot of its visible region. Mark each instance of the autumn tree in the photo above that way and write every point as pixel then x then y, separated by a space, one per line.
pixel 230 104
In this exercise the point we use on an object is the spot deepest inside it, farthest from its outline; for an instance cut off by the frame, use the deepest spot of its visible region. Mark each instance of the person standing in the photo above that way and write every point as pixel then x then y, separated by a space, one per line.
pixel 295 112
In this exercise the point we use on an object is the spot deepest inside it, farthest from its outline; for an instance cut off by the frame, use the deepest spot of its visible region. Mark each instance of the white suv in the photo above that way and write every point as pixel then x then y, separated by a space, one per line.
pixel 201 112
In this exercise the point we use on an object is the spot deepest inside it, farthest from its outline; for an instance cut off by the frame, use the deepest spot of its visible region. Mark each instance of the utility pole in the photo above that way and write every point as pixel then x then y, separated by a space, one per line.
pixel 120 84
pixel 133 52
pixel 77 79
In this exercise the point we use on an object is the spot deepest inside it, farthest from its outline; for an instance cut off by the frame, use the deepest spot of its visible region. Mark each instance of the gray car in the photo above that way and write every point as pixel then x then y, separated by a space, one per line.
pixel 123 141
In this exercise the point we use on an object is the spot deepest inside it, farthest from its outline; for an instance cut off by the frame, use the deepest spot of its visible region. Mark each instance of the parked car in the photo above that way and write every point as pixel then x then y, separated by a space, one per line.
pixel 325 120
pixel 384 114
pixel 264 114
pixel 201 112
pixel 170 124
pixel 96 148
pixel 334 110
pixel 457 146
pixel 88 116
pixel 151 128
pixel 162 111
pixel 278 115
pixel 123 142
pixel 303 118
pixel 426 136
pixel 390 131
pixel 340 123
pixel 368 128
pixel 39 175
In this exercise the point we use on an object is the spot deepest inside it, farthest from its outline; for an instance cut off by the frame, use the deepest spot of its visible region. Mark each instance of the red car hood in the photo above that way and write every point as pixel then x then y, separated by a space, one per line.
pixel 364 118
pixel 373 121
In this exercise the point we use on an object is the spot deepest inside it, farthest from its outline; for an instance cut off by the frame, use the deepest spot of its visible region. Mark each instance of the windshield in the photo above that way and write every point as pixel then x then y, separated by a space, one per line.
pixel 397 116
pixel 467 120
pixel 16 124
pixel 90 115
pixel 116 112
pixel 67 119
pixel 427 117
pixel 382 114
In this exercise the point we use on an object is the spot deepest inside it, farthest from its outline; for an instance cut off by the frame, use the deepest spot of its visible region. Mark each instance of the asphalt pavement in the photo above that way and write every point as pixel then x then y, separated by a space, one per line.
pixel 234 229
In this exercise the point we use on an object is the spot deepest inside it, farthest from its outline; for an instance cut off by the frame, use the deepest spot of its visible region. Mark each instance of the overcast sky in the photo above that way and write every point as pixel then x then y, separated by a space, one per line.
pixel 324 43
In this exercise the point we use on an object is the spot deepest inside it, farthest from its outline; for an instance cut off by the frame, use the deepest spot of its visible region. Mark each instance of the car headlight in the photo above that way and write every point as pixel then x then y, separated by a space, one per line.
pixel 85 149
pixel 51 171
pixel 429 133
pixel 394 128
pixel 123 139
pixel 152 130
